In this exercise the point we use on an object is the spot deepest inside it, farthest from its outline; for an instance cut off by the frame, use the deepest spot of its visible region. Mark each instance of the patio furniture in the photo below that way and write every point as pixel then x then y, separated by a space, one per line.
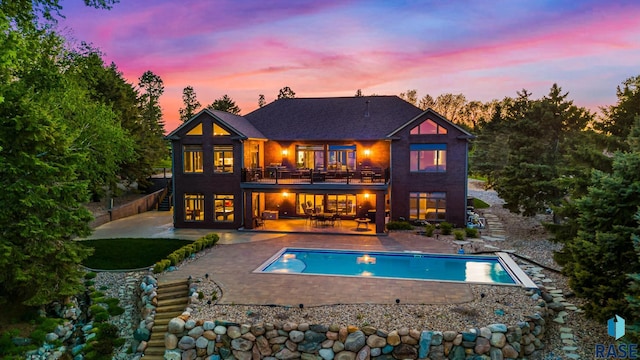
pixel 362 221
pixel 258 222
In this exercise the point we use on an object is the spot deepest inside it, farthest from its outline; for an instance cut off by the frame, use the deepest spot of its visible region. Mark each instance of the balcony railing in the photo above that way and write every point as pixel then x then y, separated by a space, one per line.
pixel 283 175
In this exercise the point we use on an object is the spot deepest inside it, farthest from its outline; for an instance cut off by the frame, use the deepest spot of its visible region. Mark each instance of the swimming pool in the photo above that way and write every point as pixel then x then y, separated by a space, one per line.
pixel 498 269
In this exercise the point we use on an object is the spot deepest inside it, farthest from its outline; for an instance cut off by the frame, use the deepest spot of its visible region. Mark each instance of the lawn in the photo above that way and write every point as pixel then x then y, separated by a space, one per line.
pixel 129 253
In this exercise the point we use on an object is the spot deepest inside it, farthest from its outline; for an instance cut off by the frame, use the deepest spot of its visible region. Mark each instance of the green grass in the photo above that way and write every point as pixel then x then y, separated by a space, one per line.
pixel 127 253
pixel 479 204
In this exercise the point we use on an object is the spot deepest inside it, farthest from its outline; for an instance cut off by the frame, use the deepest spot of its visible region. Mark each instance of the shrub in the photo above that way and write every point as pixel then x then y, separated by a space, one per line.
pixel 90 275
pixel 429 229
pixel 399 225
pixel 446 228
pixel 96 294
pixel 174 258
pixel 471 232
pixel 161 266
pixel 38 336
pixel 459 234
pixel 115 310
pixel 210 239
pixel 101 317
pixel 108 331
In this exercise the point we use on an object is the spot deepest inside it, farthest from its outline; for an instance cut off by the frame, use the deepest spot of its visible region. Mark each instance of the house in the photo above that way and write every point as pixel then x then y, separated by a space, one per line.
pixel 375 157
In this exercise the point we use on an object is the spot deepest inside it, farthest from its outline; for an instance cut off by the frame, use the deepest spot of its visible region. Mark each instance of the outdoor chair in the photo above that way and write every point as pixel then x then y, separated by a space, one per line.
pixel 259 222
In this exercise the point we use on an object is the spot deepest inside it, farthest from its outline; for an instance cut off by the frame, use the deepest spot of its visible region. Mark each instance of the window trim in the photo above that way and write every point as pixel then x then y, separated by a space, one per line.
pixel 440 152
pixel 192 149
pixel 417 196
pixel 224 149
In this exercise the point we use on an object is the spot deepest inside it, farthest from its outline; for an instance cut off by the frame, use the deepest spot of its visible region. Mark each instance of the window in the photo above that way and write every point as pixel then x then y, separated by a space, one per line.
pixel 223 205
pixel 223 158
pixel 342 157
pixel 192 158
pixel 219 131
pixel 428 206
pixel 193 207
pixel 428 157
pixel 197 130
pixel 309 203
pixel 310 156
pixel 342 204
pixel 428 127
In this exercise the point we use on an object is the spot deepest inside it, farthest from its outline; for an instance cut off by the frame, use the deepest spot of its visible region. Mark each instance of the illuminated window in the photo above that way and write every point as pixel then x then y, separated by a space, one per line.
pixel 310 156
pixel 223 205
pixel 428 127
pixel 428 206
pixel 223 158
pixel 219 131
pixel 197 130
pixel 193 207
pixel 342 157
pixel 192 158
pixel 428 157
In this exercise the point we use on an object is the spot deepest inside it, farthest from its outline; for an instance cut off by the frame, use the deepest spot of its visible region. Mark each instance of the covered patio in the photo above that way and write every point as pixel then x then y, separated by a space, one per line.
pixel 308 225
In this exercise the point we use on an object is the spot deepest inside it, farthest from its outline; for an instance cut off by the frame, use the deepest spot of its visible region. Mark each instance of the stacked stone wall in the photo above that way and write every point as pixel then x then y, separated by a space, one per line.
pixel 188 339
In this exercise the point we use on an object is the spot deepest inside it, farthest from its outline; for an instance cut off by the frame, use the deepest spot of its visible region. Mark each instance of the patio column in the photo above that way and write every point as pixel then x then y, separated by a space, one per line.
pixel 380 211
pixel 248 211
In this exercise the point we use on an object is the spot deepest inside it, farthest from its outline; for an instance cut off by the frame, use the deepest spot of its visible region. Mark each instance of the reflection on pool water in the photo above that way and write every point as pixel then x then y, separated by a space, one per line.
pixel 399 265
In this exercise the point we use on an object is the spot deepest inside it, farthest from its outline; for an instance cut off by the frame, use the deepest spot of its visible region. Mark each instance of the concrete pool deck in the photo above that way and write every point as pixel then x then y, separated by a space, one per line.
pixel 231 264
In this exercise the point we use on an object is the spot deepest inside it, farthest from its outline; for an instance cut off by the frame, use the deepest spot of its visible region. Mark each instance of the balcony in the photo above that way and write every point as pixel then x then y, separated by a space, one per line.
pixel 287 176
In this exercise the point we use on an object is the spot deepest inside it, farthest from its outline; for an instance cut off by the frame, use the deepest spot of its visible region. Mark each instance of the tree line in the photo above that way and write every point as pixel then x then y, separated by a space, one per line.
pixel 72 129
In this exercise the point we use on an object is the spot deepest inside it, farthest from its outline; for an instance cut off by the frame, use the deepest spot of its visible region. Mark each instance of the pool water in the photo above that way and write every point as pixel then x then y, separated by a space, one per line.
pixel 399 265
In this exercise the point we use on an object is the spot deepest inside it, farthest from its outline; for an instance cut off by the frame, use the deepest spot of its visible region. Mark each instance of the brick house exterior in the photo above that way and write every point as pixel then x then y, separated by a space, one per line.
pixel 377 157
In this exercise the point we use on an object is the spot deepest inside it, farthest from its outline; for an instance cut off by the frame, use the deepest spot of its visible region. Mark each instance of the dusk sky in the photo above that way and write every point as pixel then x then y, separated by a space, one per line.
pixel 484 49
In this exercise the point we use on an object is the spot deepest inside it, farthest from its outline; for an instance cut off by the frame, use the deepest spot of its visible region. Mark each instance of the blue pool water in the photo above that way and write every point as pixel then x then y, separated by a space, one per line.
pixel 403 265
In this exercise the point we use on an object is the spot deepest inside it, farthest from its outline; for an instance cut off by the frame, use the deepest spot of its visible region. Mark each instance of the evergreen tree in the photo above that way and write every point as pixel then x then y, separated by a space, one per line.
pixel 411 96
pixel 539 146
pixel 599 259
pixel 618 119
pixel 225 103
pixel 358 93
pixel 191 104
pixel 261 100
pixel 152 142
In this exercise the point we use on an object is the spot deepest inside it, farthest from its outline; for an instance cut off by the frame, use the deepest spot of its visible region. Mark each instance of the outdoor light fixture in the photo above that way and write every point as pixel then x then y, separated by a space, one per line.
pixel 366 195
pixel 285 194
pixel 367 152
pixel 284 152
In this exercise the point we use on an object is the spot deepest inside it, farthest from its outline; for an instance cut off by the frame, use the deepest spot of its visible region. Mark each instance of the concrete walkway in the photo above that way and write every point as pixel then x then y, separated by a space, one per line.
pixel 238 254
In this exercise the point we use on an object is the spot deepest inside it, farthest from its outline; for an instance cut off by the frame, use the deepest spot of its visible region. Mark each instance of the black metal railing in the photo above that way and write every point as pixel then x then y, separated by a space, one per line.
pixel 283 175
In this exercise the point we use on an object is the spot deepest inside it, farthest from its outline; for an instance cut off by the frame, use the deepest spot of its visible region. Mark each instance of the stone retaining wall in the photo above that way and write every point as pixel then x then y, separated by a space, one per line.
pixel 187 339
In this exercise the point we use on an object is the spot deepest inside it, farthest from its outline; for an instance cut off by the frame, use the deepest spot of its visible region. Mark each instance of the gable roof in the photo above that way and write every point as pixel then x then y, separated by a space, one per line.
pixel 464 133
pixel 235 123
pixel 332 118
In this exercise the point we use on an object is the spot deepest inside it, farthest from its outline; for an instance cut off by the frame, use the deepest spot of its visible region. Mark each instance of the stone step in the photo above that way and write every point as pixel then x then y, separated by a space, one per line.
pixel 171 308
pixel 151 351
pixel 154 357
pixel 157 335
pixel 166 316
pixel 173 293
pixel 172 301
pixel 154 343
pixel 167 285
pixel 159 329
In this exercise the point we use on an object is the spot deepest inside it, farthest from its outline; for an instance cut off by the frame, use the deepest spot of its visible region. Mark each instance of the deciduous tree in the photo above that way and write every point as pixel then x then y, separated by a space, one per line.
pixel 286 93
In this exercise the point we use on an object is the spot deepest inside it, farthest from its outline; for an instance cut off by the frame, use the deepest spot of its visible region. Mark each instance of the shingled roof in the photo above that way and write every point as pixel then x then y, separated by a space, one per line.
pixel 338 118
pixel 236 123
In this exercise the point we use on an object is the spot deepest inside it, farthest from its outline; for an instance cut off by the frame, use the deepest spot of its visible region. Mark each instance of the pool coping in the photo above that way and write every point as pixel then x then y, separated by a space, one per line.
pixel 521 279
